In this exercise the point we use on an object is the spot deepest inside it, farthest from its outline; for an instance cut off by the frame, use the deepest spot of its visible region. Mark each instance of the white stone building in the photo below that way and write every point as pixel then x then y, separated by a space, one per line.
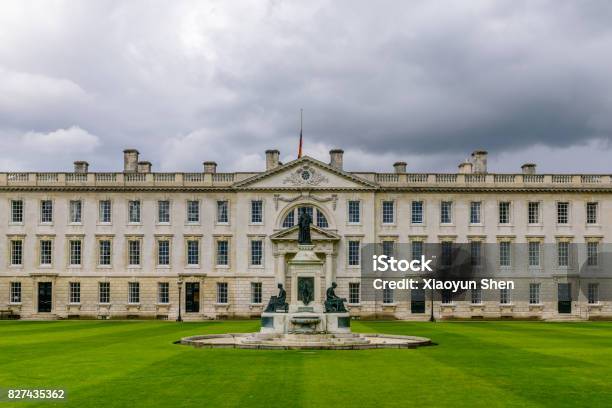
pixel 117 245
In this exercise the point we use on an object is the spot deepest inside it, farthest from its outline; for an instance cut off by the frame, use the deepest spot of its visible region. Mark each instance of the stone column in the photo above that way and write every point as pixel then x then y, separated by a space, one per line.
pixel 280 268
pixel 329 270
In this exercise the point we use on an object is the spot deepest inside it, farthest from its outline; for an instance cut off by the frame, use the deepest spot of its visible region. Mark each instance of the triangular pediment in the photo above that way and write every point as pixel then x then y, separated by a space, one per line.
pixel 305 173
pixel 316 234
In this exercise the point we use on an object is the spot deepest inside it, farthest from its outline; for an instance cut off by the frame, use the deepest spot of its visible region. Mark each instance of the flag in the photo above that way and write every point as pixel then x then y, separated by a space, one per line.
pixel 300 146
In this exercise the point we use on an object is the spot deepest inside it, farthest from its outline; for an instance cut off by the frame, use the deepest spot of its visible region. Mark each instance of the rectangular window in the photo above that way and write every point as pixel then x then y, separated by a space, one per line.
pixel 353 253
pixel 193 252
pixel 591 213
pixel 222 212
pixel 534 253
pixel 76 211
pixel 354 295
pixel 256 296
pixel 475 212
pixel 193 211
pixel 504 212
pixel 163 292
pixel 354 212
pixel 163 211
pixel 533 213
pixel 388 216
pixel 476 253
pixel 133 292
pixel 446 211
pixel 476 296
pixel 504 253
pixel 104 252
pixel 446 249
pixel 562 212
pixel 387 295
pixel 163 252
pixel 222 252
pixel 75 252
pixel 75 292
pixel 256 252
pixel 593 293
pixel 17 211
pixel 504 296
pixel 104 292
pixel 417 212
pixel 134 211
pixel 256 211
pixel 447 297
pixel 46 211
pixel 46 249
pixel 105 211
pixel 221 292
pixel 534 293
pixel 563 253
pixel 592 253
pixel 417 249
pixel 16 252
pixel 388 248
pixel 15 292
pixel 134 252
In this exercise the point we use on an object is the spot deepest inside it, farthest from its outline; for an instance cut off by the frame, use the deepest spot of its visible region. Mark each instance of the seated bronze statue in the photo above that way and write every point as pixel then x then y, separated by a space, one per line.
pixel 278 303
pixel 333 303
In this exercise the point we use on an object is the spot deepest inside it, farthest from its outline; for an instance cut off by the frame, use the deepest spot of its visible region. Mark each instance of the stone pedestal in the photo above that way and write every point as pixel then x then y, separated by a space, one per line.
pixel 306 317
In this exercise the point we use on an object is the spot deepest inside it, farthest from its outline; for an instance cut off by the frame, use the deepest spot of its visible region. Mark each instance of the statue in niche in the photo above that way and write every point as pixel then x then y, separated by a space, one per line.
pixel 278 303
pixel 304 224
pixel 306 290
pixel 334 303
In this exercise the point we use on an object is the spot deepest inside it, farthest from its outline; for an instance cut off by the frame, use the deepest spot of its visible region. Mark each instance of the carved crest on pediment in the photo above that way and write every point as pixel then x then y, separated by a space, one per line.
pixel 305 175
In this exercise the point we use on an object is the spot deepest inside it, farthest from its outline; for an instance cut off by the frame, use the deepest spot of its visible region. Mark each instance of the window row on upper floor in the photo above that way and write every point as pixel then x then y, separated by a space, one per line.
pixel 505 211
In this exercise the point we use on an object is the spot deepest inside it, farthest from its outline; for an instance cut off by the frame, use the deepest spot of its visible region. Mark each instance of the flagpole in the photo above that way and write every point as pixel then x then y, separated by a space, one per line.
pixel 300 145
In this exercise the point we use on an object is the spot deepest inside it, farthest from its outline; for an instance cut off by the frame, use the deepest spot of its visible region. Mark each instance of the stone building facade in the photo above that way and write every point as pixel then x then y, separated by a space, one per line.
pixel 122 245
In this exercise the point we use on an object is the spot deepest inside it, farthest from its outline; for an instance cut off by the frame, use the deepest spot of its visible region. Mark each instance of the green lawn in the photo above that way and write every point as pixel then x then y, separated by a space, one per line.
pixel 475 364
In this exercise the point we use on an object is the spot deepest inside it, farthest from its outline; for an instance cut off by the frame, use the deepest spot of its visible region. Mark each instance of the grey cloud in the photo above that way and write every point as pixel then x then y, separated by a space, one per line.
pixel 422 81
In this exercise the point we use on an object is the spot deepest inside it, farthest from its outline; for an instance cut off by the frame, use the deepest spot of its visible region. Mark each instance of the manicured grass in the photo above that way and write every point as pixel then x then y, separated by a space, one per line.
pixel 479 364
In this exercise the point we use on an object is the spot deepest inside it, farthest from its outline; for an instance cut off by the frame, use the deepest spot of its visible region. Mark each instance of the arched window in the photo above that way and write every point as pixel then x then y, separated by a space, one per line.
pixel 318 219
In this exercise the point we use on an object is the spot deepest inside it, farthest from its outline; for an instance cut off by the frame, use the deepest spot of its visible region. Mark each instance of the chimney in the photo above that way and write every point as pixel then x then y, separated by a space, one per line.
pixel 81 166
pixel 272 159
pixel 465 167
pixel 130 160
pixel 144 167
pixel 528 168
pixel 210 167
pixel 479 161
pixel 335 158
pixel 400 167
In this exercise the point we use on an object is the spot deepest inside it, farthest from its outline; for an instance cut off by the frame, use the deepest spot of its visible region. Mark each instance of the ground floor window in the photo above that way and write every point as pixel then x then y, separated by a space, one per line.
pixel 256 292
pixel 163 292
pixel 221 292
pixel 133 292
pixel 104 292
pixel 447 297
pixel 387 295
pixel 15 292
pixel 593 293
pixel 534 293
pixel 354 295
pixel 504 296
pixel 75 292
pixel 476 296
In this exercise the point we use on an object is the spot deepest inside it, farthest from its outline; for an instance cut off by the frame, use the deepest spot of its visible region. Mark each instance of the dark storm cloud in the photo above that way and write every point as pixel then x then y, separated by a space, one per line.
pixel 426 82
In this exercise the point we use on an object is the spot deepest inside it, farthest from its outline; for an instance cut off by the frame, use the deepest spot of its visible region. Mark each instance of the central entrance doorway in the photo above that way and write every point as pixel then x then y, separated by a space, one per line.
pixel 564 294
pixel 192 297
pixel 45 300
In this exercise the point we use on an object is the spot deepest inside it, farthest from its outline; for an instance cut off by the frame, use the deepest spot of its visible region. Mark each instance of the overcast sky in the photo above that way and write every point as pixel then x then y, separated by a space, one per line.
pixel 425 82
